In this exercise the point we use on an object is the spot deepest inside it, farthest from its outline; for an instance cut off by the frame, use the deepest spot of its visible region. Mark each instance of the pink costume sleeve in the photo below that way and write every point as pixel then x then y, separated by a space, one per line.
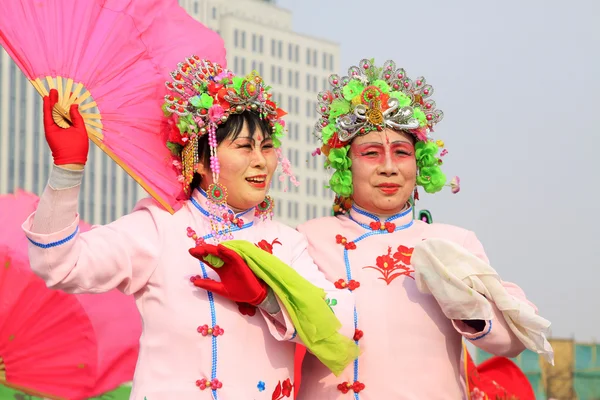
pixel 496 337
pixel 281 326
pixel 122 255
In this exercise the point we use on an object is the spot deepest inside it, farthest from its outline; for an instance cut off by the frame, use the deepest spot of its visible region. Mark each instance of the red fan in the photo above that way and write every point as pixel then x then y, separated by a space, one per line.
pixel 112 57
pixel 496 378
pixel 52 343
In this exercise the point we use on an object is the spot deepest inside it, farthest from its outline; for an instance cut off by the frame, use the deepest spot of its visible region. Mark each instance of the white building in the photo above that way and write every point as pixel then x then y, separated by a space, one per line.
pixel 258 35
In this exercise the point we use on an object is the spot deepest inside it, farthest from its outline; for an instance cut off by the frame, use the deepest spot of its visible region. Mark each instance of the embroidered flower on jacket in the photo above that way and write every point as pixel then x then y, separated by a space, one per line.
pixel 282 390
pixel 394 266
pixel 261 386
pixel 266 246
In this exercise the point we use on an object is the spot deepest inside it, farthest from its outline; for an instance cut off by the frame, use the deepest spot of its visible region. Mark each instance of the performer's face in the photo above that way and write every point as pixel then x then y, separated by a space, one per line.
pixel 384 171
pixel 247 164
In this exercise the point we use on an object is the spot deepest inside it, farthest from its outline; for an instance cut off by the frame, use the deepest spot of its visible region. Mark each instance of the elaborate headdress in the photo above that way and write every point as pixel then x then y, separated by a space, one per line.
pixel 372 98
pixel 204 95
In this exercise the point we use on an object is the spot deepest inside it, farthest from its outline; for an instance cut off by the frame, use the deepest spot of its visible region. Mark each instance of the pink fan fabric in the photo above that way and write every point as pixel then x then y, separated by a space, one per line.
pixel 72 346
pixel 122 51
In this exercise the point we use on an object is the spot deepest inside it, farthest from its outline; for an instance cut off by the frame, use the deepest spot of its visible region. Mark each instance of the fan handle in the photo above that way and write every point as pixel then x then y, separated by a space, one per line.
pixel 61 116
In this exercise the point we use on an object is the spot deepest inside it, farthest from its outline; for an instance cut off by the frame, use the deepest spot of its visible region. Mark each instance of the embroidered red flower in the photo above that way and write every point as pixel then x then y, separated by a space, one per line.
pixel 380 226
pixel 266 246
pixel 342 284
pixel 247 309
pixel 393 267
pixel 282 390
pixel 339 239
pixel 356 387
pixel 404 254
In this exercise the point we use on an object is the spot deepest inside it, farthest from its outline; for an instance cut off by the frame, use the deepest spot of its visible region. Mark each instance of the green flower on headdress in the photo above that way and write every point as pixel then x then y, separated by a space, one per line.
pixel 237 83
pixel 341 183
pixel 431 178
pixel 338 158
pixel 327 132
pixel 402 98
pixel 186 124
pixel 338 107
pixel 420 115
pixel 382 85
pixel 352 89
pixel 425 153
pixel 277 134
pixel 203 101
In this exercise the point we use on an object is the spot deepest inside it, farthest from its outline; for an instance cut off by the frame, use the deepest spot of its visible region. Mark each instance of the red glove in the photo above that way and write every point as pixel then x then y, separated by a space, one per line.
pixel 238 282
pixel 68 146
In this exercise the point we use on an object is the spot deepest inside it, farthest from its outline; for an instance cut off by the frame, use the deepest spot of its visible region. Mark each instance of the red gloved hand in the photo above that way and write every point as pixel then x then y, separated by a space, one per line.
pixel 70 145
pixel 238 282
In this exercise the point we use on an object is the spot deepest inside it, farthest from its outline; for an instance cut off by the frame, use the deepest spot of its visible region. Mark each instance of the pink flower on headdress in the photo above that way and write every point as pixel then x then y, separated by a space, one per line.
pixel 443 153
pixel 215 113
pixel 420 134
pixel 199 121
pixel 455 185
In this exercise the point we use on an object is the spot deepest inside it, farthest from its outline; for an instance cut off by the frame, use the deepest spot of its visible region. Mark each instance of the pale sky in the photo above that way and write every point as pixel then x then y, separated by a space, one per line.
pixel 517 81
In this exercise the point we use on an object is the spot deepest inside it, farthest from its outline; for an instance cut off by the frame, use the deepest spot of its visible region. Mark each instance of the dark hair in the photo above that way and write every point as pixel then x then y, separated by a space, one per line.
pixel 230 130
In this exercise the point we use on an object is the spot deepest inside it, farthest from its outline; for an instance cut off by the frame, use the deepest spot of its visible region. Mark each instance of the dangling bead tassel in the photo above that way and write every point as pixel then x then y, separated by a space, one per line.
pixel 416 195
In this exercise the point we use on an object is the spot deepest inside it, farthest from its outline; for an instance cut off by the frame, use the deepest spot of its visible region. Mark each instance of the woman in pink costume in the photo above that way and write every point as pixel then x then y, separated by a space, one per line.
pixel 208 332
pixel 375 128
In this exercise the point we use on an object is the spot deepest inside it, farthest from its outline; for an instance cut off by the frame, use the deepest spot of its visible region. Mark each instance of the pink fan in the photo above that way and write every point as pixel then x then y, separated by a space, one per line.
pixel 58 344
pixel 111 57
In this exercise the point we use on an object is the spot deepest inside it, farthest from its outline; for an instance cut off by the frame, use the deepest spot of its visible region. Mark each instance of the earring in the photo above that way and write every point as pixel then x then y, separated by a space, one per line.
pixel 265 209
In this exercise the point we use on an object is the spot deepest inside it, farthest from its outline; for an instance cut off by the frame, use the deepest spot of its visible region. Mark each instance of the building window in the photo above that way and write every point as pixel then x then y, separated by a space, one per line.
pixel 307 211
pixel 260 68
pixel 279 75
pixel 324 83
pixel 308 82
pixel 297 53
pixel 297 110
pixel 307 56
pixel 296 79
pixel 273 73
pixel 236 64
pixel 236 34
pixel 314 84
pixel 279 49
pixel 243 66
pixel 253 42
pixel 295 210
pixel 214 13
pixel 324 61
pixel 331 62
pixel 260 44
pixel 243 40
pixel 314 59
pixel 308 103
pixel 291 110
pixel 290 78
pixel 308 187
pixel 196 7
pixel 289 209
pixel 290 52
pixel 273 47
